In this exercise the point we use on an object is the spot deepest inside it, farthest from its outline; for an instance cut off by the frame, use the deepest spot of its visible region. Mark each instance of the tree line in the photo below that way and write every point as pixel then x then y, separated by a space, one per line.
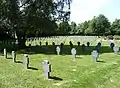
pixel 99 25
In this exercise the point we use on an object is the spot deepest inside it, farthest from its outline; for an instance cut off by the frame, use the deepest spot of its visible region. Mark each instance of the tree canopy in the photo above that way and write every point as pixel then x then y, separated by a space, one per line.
pixel 27 17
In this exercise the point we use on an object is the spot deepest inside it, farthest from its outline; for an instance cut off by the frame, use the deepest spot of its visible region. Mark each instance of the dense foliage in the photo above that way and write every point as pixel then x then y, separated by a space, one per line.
pixel 99 25
pixel 32 17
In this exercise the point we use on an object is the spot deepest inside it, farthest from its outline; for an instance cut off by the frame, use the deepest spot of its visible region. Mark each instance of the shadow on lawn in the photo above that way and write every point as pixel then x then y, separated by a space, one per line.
pixel 66 50
pixel 55 78
pixel 101 61
pixel 32 68
pixel 9 58
pixel 19 62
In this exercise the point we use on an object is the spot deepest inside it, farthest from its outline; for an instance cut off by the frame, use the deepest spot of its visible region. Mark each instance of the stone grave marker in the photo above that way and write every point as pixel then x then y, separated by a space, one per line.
pixel 5 53
pixel 26 61
pixel 40 43
pixel 61 45
pixel 46 68
pixel 29 45
pixel 46 43
pixel 99 44
pixel 112 45
pixel 58 50
pixel 94 54
pixel 53 43
pixel 78 43
pixel 115 49
pixel 88 44
pixel 14 56
pixel 73 52
pixel 71 44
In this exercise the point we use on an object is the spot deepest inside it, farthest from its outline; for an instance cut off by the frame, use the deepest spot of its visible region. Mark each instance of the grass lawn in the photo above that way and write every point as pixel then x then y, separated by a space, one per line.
pixel 82 73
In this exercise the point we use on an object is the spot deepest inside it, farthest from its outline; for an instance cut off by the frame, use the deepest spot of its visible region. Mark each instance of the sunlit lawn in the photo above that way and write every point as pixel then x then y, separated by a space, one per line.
pixel 82 73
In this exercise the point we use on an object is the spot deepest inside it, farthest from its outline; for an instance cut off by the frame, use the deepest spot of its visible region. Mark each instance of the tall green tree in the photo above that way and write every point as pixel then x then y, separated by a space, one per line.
pixel 73 28
pixel 89 28
pixel 81 28
pixel 25 16
pixel 102 25
pixel 64 28
pixel 115 27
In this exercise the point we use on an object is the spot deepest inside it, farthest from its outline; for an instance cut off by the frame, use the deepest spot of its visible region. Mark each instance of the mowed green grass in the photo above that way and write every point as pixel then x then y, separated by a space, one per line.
pixel 82 73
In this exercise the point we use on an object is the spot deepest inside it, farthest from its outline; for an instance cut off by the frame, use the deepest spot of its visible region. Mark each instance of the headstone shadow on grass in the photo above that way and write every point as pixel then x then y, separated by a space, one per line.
pixel 32 68
pixel 9 58
pixel 100 61
pixel 18 62
pixel 55 78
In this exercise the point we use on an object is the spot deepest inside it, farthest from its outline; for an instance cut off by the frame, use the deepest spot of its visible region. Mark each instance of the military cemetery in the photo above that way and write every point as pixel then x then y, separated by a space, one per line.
pixel 41 47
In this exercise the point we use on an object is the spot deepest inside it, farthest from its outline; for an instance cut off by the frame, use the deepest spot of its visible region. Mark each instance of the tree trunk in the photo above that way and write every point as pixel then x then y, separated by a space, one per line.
pixel 21 40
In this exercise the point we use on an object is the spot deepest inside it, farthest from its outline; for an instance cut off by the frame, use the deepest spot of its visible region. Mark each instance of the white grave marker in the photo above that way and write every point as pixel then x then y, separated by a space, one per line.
pixel 58 50
pixel 46 68
pixel 115 49
pixel 94 54
pixel 5 53
pixel 14 56
pixel 73 52
pixel 26 61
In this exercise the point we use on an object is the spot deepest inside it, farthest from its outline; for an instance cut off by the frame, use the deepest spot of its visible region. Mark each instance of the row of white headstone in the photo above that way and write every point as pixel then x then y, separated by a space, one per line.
pixel 73 52
pixel 25 58
pixel 36 40
pixel 62 39
pixel 45 64
pixel 94 53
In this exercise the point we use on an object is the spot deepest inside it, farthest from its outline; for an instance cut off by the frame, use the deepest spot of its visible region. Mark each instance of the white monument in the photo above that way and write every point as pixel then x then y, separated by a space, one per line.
pixel 115 49
pixel 73 52
pixel 14 56
pixel 46 68
pixel 5 53
pixel 94 54
pixel 26 61
pixel 58 50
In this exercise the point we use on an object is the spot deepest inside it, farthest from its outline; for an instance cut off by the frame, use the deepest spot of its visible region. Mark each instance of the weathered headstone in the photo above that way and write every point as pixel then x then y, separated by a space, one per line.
pixel 94 54
pixel 46 43
pixel 73 52
pixel 112 45
pixel 71 44
pixel 14 56
pixel 88 44
pixel 46 68
pixel 78 43
pixel 29 45
pixel 58 50
pixel 26 61
pixel 115 49
pixel 53 43
pixel 99 44
pixel 5 53
pixel 61 45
